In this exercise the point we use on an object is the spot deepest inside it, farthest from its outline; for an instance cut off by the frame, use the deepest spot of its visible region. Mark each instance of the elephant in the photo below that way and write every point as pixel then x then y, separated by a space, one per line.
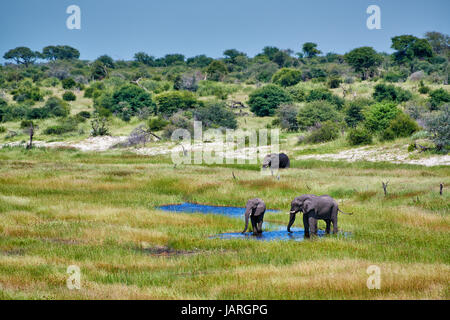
pixel 276 161
pixel 255 210
pixel 314 208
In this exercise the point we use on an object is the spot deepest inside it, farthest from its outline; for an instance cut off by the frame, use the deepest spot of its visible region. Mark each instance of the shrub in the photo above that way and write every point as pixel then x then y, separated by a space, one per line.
pixel 379 115
pixel 170 102
pixel 84 114
pixel 439 127
pixel 359 136
pixel 157 124
pixel 438 97
pixel 423 89
pixel 2 129
pixel 324 94
pixel 354 112
pixel 391 93
pixel 402 125
pixel 68 83
pixel 327 131
pixel 287 117
pixel 99 126
pixel 215 115
pixel 334 82
pixel 54 107
pixel 264 101
pixel 217 89
pixel 69 96
pixel 67 125
pixel 26 124
pixel 316 112
pixel 298 94
pixel 287 77
pixel 27 92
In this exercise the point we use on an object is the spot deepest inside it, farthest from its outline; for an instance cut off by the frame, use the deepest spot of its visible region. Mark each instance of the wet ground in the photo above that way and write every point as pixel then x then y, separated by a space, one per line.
pixel 271 231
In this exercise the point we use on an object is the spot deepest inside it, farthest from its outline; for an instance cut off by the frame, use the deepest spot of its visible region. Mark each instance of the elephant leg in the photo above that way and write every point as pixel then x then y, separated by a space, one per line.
pixel 313 226
pixel 306 225
pixel 259 225
pixel 254 225
pixel 328 222
pixel 335 225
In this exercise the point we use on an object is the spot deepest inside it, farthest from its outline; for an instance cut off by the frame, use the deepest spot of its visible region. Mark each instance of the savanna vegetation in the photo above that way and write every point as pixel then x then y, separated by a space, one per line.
pixel 60 206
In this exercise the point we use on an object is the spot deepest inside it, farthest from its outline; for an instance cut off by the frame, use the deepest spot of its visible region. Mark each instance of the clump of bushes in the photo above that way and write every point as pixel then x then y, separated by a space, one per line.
pixel 287 117
pixel 391 93
pixel 171 102
pixel 2 129
pixel 287 77
pixel 359 136
pixel 438 97
pixel 67 125
pixel 316 112
pixel 69 96
pixel 215 115
pixel 264 101
pixel 323 132
pixel 157 124
pixel 401 126
pixel 379 116
pixel 54 107
pixel 323 94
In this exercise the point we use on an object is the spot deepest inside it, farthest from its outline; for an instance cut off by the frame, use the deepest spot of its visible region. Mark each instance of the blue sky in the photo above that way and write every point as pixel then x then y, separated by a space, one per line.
pixel 191 27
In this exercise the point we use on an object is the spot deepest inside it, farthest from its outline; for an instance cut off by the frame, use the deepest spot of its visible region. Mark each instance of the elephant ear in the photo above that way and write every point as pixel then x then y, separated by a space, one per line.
pixel 307 206
pixel 260 209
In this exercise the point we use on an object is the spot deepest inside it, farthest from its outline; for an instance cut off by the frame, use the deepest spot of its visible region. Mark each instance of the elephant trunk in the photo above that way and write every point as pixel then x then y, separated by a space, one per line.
pixel 291 220
pixel 247 216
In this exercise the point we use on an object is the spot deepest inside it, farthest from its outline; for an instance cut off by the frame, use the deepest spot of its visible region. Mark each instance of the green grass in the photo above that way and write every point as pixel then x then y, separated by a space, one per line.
pixel 97 211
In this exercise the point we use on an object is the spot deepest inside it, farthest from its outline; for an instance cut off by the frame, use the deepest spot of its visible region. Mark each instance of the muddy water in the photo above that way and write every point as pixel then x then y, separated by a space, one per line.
pixel 271 231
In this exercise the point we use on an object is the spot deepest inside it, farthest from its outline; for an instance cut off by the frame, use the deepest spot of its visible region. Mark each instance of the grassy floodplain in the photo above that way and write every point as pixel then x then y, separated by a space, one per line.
pixel 60 207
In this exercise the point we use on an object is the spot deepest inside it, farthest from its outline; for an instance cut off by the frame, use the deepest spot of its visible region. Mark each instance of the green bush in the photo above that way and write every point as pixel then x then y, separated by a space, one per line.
pixel 27 92
pixel 217 89
pixel 170 102
pixel 2 129
pixel 326 131
pixel 316 112
pixel 298 94
pixel 390 93
pixel 216 115
pixel 334 82
pixel 287 77
pixel 359 136
pixel 54 107
pixel 65 126
pixel 323 94
pixel 379 115
pixel 68 83
pixel 157 124
pixel 354 111
pixel 69 96
pixel 439 97
pixel 264 101
pixel 402 125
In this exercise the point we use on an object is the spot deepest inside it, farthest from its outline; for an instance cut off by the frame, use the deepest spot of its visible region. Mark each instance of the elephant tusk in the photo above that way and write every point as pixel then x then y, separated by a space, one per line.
pixel 290 212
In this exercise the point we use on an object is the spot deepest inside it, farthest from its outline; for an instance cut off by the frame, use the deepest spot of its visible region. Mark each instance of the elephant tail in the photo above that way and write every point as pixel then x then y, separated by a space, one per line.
pixel 349 213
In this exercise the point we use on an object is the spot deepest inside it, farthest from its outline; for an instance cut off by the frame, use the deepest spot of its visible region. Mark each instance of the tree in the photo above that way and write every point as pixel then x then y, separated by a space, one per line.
pixel 409 47
pixel 270 52
pixel 391 93
pixel 200 61
pixel 310 49
pixel 439 126
pixel 60 53
pixel 175 58
pixel 171 102
pixel 316 112
pixel 287 117
pixel 22 55
pixel 363 59
pixel 232 54
pixel 438 41
pixel 216 70
pixel 144 58
pixel 98 70
pixel 286 77
pixel 107 61
pixel 215 115
pixel 264 101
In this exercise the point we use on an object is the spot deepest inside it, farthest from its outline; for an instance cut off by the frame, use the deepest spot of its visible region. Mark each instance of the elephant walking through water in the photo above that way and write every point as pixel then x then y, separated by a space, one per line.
pixel 255 210
pixel 315 208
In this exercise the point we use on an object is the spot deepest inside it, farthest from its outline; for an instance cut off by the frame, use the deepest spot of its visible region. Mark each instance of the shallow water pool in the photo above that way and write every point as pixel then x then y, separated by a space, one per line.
pixel 271 231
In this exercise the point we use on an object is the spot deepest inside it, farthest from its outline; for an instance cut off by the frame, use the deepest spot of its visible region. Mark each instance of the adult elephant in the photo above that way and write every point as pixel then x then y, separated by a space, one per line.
pixel 315 208
pixel 255 210
pixel 276 161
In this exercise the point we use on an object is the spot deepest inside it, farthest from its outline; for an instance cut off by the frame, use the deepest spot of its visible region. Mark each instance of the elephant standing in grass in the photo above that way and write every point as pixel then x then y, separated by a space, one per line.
pixel 315 208
pixel 255 210
pixel 276 161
